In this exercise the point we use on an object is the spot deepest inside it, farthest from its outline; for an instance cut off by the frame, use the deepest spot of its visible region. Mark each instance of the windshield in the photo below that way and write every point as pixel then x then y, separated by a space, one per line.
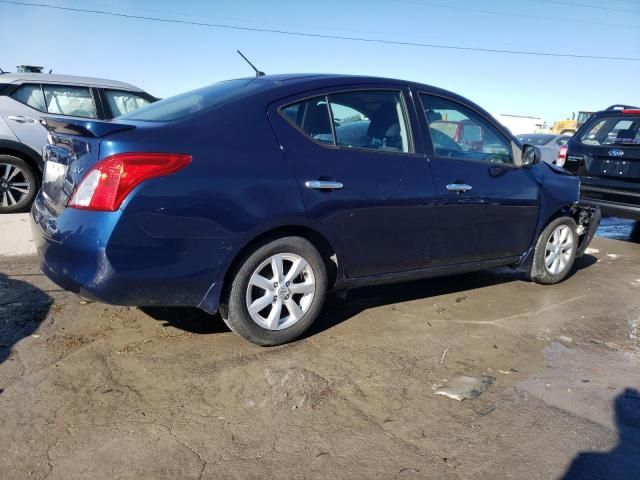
pixel 190 103
pixel 615 130
pixel 537 140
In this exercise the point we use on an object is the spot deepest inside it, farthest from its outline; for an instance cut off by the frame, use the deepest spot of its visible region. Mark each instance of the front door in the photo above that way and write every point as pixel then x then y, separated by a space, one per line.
pixel 487 206
pixel 360 173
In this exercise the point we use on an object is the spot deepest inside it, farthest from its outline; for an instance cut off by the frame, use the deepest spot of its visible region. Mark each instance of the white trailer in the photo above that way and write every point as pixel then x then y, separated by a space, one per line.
pixel 518 124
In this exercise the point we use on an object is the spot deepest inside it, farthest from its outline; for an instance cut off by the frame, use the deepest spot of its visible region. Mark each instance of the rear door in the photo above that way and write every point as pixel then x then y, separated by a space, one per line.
pixel 487 206
pixel 361 173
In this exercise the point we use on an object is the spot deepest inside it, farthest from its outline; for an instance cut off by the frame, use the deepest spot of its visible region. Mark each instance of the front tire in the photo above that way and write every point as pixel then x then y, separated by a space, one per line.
pixel 277 292
pixel 18 184
pixel 555 252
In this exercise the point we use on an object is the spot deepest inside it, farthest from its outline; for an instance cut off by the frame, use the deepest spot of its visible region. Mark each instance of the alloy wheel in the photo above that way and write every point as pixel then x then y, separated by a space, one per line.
pixel 280 291
pixel 559 250
pixel 14 185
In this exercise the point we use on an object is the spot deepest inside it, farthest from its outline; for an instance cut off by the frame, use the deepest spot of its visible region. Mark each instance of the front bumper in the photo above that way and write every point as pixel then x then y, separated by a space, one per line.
pixel 588 218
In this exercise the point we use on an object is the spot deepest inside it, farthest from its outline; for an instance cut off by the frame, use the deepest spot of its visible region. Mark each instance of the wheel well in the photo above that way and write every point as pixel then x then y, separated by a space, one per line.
pixel 325 248
pixel 23 156
pixel 564 132
pixel 561 212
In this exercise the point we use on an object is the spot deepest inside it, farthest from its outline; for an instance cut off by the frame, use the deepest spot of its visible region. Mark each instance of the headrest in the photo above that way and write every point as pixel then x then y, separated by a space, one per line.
pixel 625 135
pixel 382 120
pixel 317 120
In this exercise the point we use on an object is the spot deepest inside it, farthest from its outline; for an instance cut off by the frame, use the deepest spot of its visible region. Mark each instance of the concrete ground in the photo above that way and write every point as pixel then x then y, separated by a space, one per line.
pixel 15 235
pixel 93 391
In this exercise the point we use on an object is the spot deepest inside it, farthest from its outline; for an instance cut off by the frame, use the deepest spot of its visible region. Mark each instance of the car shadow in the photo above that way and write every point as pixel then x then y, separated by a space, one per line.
pixel 340 307
pixel 189 319
pixel 23 307
pixel 623 461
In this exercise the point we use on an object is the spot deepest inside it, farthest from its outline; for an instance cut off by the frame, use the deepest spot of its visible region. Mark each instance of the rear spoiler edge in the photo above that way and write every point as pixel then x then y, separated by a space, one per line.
pixel 83 128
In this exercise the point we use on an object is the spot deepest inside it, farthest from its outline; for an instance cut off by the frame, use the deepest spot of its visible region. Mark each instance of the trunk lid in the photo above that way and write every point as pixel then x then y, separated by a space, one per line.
pixel 73 148
pixel 620 162
pixel 610 146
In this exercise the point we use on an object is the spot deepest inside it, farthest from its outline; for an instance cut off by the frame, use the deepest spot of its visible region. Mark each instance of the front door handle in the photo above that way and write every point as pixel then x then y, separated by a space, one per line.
pixel 459 187
pixel 21 119
pixel 323 185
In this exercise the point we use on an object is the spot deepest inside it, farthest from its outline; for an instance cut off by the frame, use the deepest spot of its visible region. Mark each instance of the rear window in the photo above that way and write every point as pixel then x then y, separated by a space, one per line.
pixel 195 101
pixel 614 130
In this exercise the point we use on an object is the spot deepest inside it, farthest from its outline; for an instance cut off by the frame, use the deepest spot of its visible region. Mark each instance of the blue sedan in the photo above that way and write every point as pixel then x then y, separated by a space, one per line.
pixel 255 197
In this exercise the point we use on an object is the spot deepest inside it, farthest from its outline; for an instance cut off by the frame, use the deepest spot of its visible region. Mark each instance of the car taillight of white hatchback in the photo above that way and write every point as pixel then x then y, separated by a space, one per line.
pixel 109 182
pixel 562 156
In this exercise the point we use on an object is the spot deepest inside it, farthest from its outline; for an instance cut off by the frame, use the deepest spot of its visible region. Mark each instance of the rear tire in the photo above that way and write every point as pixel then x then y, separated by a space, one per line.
pixel 555 252
pixel 18 184
pixel 276 292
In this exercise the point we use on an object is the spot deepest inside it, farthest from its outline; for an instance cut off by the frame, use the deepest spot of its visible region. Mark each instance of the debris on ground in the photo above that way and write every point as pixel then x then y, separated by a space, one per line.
pixel 486 410
pixel 461 299
pixel 564 339
pixel 444 354
pixel 590 251
pixel 462 387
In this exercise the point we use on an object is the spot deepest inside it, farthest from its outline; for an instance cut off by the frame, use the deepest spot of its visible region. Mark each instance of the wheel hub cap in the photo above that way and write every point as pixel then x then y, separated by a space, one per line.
pixel 14 185
pixel 559 249
pixel 283 293
pixel 280 291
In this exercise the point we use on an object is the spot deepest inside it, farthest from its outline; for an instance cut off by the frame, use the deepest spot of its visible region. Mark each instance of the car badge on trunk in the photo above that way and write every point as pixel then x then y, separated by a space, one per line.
pixel 616 152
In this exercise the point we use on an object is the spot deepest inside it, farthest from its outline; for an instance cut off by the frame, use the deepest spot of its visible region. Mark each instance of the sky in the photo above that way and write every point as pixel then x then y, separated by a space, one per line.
pixel 168 58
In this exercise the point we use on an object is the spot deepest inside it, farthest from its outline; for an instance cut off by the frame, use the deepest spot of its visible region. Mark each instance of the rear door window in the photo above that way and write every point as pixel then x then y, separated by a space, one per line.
pixel 370 119
pixel 69 100
pixel 31 95
pixel 312 118
pixel 121 102
pixel 363 119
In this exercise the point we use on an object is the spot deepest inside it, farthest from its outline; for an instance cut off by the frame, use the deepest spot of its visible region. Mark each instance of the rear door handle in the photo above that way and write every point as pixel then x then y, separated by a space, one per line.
pixel 323 185
pixel 459 187
pixel 21 119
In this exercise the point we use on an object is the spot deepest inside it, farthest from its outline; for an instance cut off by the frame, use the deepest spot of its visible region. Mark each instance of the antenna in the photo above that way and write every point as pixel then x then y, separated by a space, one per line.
pixel 258 72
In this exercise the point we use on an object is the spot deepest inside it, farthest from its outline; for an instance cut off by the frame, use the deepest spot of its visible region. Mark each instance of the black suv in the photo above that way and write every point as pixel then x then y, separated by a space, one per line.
pixel 605 154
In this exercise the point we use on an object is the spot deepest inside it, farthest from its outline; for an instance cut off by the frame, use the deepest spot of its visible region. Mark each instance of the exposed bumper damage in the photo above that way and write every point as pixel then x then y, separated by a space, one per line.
pixel 587 218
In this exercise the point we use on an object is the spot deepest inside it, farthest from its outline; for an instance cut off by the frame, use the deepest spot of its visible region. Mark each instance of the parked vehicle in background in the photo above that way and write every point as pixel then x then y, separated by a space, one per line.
pixel 254 197
pixel 24 98
pixel 521 123
pixel 605 154
pixel 548 143
pixel 571 126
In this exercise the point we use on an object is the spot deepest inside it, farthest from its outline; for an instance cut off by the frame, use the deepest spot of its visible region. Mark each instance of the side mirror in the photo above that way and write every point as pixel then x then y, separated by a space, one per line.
pixel 531 155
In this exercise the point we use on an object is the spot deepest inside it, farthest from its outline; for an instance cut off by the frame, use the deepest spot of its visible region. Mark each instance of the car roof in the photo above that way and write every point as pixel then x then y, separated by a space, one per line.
pixel 67 80
pixel 294 83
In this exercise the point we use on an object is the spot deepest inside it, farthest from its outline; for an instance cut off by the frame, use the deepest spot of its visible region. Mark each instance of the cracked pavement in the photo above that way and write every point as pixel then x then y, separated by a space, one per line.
pixel 94 391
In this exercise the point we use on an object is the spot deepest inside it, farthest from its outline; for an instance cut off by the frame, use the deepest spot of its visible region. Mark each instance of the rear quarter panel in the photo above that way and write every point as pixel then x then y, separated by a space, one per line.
pixel 190 225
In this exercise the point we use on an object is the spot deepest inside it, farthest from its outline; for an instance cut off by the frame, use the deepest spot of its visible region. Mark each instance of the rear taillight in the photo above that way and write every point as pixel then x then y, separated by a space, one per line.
pixel 108 183
pixel 631 111
pixel 562 156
